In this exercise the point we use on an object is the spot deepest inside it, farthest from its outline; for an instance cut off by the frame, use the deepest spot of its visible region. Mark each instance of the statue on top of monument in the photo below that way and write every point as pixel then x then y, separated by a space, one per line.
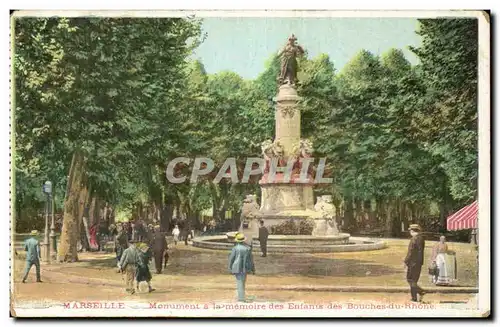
pixel 288 56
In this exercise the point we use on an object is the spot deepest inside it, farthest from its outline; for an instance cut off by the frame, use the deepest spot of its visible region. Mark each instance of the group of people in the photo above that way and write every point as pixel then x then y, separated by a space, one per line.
pixel 134 253
pixel 442 266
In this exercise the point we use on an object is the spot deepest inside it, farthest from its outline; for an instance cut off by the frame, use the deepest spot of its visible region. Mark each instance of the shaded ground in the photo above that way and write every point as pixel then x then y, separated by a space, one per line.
pixel 192 274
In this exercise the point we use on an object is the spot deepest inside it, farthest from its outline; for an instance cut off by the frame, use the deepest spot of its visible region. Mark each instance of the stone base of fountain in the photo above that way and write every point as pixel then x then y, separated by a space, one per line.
pixel 295 243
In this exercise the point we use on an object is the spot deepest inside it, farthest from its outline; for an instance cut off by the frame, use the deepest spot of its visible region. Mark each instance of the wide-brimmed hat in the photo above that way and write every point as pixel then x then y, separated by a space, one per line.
pixel 143 247
pixel 34 232
pixel 415 227
pixel 239 237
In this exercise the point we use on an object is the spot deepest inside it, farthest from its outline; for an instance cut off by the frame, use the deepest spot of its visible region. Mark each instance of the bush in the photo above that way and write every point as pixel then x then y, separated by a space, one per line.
pixel 290 227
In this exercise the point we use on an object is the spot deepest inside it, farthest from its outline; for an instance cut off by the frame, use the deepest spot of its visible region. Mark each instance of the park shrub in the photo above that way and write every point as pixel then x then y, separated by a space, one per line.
pixel 291 227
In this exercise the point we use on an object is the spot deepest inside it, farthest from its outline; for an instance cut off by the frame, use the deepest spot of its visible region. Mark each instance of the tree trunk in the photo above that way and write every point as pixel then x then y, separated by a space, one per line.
pixel 110 218
pixel 404 217
pixel 236 218
pixel 337 202
pixel 197 218
pixel 71 219
pixel 380 211
pixel 358 216
pixel 388 220
pixel 104 213
pixel 396 221
pixel 372 215
pixel 178 215
pixel 93 215
pixel 348 214
pixel 166 215
pixel 83 211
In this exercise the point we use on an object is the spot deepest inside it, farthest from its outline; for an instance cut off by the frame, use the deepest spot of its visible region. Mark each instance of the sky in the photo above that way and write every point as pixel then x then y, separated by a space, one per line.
pixel 243 45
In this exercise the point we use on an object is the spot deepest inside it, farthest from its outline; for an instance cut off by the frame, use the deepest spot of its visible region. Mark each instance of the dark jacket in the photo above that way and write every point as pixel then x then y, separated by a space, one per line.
pixel 263 234
pixel 159 242
pixel 415 256
pixel 143 273
pixel 121 241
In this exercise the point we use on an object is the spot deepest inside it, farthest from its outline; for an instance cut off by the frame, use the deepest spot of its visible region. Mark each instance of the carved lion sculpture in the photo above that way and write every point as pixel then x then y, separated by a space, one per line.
pixel 278 150
pixel 304 148
pixel 250 206
pixel 325 207
pixel 267 149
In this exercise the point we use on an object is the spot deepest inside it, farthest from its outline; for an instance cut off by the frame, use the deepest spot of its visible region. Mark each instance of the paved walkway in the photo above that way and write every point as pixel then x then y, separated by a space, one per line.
pixel 197 276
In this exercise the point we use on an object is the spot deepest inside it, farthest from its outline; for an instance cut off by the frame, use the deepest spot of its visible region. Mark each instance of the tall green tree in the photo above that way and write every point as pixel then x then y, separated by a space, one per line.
pixel 106 96
pixel 447 118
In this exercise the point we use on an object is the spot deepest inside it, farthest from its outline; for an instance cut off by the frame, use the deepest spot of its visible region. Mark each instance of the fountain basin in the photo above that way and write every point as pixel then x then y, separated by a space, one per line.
pixel 296 243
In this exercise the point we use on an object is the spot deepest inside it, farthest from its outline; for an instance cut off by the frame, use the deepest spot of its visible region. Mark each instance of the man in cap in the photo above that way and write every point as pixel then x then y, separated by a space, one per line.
pixel 159 249
pixel 414 261
pixel 33 255
pixel 240 264
pixel 128 264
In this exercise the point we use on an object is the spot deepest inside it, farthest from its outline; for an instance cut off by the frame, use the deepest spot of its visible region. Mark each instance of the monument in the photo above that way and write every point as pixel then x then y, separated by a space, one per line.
pixel 287 197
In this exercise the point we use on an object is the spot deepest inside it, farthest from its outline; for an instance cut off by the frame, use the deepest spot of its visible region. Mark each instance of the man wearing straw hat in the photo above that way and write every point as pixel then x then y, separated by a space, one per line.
pixel 33 255
pixel 414 261
pixel 240 264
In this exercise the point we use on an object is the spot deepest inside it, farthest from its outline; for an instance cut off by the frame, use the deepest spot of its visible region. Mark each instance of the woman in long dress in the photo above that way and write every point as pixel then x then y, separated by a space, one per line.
pixel 142 270
pixel 443 264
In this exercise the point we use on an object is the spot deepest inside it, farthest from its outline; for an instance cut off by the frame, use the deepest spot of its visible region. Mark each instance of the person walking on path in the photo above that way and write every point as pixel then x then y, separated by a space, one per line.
pixel 121 242
pixel 263 236
pixel 160 247
pixel 150 232
pixel 33 255
pixel 186 231
pixel 176 232
pixel 128 229
pixel 142 266
pixel 240 264
pixel 414 261
pixel 127 264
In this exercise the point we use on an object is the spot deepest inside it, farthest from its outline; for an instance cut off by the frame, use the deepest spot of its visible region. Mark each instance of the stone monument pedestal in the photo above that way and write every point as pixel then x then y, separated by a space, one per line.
pixel 293 199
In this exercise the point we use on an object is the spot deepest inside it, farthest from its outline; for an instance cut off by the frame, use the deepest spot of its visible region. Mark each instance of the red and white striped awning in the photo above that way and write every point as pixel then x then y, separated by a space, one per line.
pixel 465 218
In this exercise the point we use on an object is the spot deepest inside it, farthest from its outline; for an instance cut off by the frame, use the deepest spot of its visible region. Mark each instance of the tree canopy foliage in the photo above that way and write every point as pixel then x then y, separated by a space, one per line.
pixel 102 104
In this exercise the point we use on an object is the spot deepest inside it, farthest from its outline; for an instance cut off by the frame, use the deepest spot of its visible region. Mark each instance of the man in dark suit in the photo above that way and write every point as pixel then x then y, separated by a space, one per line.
pixel 160 247
pixel 263 236
pixel 414 261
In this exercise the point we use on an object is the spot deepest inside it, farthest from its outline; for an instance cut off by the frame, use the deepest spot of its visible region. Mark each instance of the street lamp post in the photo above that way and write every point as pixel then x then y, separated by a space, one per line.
pixel 53 229
pixel 47 189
